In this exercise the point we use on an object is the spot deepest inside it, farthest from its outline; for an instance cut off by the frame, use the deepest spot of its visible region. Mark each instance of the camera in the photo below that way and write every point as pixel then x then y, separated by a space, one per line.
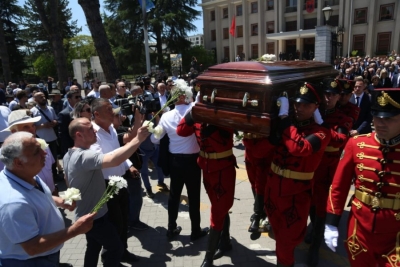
pixel 149 104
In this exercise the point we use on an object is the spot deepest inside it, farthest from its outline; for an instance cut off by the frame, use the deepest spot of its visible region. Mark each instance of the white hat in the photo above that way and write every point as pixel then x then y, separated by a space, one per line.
pixel 40 85
pixel 16 90
pixel 20 117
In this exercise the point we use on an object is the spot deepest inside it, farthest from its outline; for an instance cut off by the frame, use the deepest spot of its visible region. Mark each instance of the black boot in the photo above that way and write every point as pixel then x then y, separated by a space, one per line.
pixel 254 195
pixel 225 242
pixel 213 240
pixel 308 237
pixel 258 214
pixel 317 236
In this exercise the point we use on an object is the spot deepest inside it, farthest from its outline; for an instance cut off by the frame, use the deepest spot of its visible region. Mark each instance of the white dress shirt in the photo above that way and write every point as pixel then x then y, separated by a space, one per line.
pixel 106 144
pixel 169 122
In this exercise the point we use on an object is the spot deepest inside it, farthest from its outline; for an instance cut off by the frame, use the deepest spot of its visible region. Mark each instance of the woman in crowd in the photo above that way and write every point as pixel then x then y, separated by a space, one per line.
pixel 82 110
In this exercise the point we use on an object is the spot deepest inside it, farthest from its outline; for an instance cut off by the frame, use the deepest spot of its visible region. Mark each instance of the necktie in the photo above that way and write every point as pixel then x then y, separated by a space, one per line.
pixel 358 101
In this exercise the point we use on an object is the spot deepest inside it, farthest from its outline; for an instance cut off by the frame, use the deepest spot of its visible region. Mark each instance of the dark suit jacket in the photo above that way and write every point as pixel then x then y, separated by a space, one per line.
pixel 386 83
pixel 64 118
pixel 363 123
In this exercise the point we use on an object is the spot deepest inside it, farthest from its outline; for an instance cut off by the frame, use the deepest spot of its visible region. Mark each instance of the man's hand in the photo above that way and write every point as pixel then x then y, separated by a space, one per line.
pixel 83 224
pixel 134 172
pixel 142 133
pixel 353 133
pixel 60 203
pixel 331 236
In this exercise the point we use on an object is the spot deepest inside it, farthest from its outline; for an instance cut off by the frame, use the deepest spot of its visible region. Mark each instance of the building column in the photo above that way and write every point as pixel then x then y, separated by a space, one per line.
pixel 323 43
pixel 299 45
pixel 346 21
pixel 262 31
pixel 246 29
pixel 300 21
pixel 281 16
pixel 396 32
pixel 320 15
pixel 232 45
pixel 206 27
pixel 281 47
pixel 370 39
pixel 219 33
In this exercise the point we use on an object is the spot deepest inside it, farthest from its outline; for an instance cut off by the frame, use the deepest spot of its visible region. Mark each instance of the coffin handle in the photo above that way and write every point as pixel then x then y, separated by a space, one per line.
pixel 245 99
pixel 214 92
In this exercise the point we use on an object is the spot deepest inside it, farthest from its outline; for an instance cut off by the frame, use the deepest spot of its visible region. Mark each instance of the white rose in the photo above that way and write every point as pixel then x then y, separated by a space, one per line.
pixel 43 144
pixel 72 194
pixel 158 131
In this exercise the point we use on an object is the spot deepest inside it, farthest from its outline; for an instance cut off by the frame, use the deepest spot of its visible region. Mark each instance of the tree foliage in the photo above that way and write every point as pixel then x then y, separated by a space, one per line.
pixel 205 58
pixel 168 24
pixel 12 57
pixel 80 46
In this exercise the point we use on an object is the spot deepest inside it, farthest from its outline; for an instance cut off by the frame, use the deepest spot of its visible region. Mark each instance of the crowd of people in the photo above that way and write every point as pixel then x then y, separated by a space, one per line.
pixel 303 171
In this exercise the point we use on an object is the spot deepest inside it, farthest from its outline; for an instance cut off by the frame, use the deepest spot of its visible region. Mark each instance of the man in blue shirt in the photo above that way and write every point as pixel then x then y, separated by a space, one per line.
pixel 32 229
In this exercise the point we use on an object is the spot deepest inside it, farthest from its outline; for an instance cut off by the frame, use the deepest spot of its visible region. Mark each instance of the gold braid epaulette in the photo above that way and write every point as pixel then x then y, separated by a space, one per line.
pixel 385 99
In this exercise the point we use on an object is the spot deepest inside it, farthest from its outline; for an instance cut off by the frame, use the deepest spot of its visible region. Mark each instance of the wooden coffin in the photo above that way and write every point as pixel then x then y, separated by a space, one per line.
pixel 242 95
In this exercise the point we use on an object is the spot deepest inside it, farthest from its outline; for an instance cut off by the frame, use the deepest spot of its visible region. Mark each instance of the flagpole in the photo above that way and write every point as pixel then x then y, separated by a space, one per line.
pixel 146 37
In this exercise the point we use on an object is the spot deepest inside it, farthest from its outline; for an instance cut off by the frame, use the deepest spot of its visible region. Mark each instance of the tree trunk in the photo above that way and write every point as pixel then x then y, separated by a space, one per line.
pixel 51 25
pixel 5 60
pixel 160 58
pixel 91 8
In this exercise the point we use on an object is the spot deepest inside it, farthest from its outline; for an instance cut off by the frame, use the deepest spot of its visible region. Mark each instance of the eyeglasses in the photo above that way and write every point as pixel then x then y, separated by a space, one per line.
pixel 88 110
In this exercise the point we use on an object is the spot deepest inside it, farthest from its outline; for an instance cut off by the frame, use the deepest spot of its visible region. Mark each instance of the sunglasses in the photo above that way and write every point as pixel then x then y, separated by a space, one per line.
pixel 88 110
pixel 78 97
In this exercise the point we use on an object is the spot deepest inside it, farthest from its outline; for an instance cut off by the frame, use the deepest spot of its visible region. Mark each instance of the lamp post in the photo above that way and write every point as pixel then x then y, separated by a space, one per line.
pixel 327 11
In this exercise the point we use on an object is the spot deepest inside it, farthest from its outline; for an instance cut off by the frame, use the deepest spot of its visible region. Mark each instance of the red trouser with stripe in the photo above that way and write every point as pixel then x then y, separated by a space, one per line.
pixel 220 187
pixel 257 171
pixel 288 218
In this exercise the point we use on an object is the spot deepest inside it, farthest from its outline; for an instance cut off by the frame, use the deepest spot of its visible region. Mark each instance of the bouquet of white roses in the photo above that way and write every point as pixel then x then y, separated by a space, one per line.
pixel 72 194
pixel 179 88
pixel 115 183
pixel 42 142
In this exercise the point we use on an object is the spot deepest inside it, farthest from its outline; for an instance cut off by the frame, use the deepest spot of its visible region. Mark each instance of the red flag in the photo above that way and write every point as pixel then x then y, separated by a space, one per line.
pixel 310 6
pixel 233 26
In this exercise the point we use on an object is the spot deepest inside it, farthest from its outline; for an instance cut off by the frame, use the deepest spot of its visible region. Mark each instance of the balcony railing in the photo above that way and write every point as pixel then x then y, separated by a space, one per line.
pixel 290 9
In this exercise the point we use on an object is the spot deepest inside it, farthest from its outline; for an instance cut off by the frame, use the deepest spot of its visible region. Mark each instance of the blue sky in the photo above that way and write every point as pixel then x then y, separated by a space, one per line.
pixel 77 14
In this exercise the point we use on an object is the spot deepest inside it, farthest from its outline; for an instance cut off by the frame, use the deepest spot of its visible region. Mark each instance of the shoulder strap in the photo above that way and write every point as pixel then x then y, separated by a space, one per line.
pixel 47 118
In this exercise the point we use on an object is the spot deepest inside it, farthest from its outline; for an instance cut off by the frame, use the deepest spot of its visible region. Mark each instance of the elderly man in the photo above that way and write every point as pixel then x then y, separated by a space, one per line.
pixel 107 141
pixel 108 92
pixel 121 90
pixel 83 168
pixel 370 163
pixel 45 126
pixel 32 229
pixel 64 118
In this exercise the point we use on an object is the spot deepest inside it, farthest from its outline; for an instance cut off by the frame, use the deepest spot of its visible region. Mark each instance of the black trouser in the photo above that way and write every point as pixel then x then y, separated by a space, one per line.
pixel 53 146
pixel 184 171
pixel 118 213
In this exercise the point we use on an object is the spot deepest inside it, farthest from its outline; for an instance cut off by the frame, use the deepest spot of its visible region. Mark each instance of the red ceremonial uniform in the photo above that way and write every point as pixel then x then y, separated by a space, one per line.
pixel 218 163
pixel 289 184
pixel 258 160
pixel 340 125
pixel 374 221
pixel 350 110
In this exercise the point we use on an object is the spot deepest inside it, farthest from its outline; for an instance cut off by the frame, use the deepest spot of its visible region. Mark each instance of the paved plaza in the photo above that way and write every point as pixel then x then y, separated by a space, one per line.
pixel 155 250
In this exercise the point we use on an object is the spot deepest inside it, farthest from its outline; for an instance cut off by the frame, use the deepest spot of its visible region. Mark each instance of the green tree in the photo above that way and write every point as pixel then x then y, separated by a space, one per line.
pixel 46 23
pixel 12 63
pixel 168 24
pixel 205 58
pixel 80 46
pixel 44 65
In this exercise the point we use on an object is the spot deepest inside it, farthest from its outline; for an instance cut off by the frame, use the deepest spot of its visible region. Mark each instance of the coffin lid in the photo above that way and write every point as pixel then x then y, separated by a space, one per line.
pixel 267 72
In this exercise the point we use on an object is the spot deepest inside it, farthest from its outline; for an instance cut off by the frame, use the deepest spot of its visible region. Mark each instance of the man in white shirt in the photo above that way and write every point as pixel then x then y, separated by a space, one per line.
pixel 183 166
pixel 107 142
pixel 95 89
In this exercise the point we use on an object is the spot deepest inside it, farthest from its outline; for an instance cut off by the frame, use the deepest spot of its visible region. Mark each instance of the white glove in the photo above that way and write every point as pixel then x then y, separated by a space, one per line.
pixel 197 98
pixel 331 236
pixel 283 104
pixel 317 117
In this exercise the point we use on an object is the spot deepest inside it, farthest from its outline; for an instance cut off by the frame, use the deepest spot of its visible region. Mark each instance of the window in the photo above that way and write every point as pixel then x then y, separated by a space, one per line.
pixel 254 7
pixel 239 31
pixel 239 50
pixel 226 53
pixel 226 33
pixel 254 51
pixel 212 15
pixel 239 10
pixel 360 15
pixel 291 26
pixel 270 27
pixel 383 44
pixel 225 13
pixel 271 48
pixel 386 12
pixel 254 29
pixel 291 6
pixel 310 23
pixel 213 35
pixel 359 42
pixel 270 4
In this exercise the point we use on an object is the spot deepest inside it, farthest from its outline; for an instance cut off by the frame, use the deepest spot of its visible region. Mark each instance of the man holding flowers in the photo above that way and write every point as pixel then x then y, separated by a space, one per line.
pixel 83 168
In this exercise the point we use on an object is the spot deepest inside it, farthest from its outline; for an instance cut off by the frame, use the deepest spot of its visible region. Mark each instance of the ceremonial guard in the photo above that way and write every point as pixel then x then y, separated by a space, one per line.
pixel 258 159
pixel 218 163
pixel 373 234
pixel 294 161
pixel 344 103
pixel 340 125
